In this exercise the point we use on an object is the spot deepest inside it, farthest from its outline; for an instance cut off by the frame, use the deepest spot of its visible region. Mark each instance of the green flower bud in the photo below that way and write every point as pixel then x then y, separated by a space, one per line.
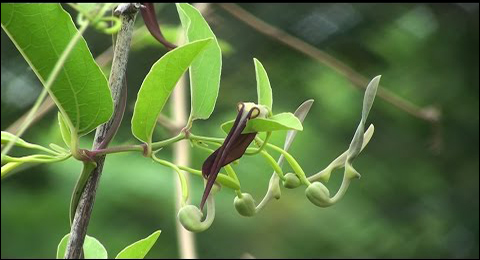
pixel 191 218
pixel 245 205
pixel 291 181
pixel 318 194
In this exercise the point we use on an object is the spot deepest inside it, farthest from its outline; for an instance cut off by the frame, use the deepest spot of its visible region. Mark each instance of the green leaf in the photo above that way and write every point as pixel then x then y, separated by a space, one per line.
pixel 139 249
pixel 158 85
pixel 205 71
pixel 282 121
pixel 41 32
pixel 264 90
pixel 357 141
pixel 92 248
pixel 64 130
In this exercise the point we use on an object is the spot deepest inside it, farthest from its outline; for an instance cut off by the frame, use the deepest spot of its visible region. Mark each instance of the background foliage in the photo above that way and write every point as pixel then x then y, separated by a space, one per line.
pixel 418 195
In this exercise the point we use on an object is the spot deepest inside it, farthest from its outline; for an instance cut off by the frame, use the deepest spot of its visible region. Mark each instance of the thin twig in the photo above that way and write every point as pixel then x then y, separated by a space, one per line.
pixel 117 74
pixel 430 113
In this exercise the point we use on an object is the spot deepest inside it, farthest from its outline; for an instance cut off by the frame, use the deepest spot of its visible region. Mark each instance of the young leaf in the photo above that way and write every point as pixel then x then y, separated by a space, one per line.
pixel 139 249
pixel 41 32
pixel 205 71
pixel 264 90
pixel 64 130
pixel 357 141
pixel 158 85
pixel 282 121
pixel 356 145
pixel 92 248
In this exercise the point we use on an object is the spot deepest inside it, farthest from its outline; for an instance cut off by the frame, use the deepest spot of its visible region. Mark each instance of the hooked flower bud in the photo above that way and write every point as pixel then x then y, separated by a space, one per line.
pixel 291 181
pixel 318 194
pixel 191 218
pixel 245 205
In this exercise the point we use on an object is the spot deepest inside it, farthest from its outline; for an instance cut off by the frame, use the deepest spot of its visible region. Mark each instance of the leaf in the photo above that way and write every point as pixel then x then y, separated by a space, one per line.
pixel 158 85
pixel 41 32
pixel 369 97
pixel 264 90
pixel 205 71
pixel 64 130
pixel 356 145
pixel 300 113
pixel 357 141
pixel 139 249
pixel 282 121
pixel 92 248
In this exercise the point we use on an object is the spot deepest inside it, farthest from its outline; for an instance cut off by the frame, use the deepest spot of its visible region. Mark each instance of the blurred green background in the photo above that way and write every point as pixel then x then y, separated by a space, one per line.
pixel 418 195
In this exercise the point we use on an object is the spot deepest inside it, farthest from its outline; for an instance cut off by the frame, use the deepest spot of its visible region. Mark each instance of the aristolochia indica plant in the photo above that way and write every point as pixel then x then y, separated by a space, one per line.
pixel 53 47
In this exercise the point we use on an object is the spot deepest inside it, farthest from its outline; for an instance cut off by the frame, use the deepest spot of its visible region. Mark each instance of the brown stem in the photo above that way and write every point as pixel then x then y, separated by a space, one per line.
pixel 430 114
pixel 78 231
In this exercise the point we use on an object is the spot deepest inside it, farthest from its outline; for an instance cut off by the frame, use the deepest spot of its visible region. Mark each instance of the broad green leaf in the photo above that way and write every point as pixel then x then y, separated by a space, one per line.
pixel 158 85
pixel 41 32
pixel 139 249
pixel 264 90
pixel 205 71
pixel 282 121
pixel 64 130
pixel 92 248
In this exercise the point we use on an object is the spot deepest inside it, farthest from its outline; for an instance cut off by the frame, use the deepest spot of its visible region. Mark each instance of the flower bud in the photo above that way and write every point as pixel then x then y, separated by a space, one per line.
pixel 318 194
pixel 245 205
pixel 291 181
pixel 191 218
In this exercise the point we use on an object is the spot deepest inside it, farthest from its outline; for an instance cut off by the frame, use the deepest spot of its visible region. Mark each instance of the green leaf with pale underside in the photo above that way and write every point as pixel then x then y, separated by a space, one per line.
pixel 205 71
pixel 282 121
pixel 264 90
pixel 92 248
pixel 139 249
pixel 158 85
pixel 41 32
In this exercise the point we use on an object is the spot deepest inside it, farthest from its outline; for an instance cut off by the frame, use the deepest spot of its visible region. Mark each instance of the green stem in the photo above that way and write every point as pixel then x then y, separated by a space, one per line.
pixel 278 170
pixel 183 180
pixel 160 144
pixel 51 78
pixel 341 191
pixel 263 144
pixel 116 149
pixel 293 163
pixel 40 158
pixel 221 178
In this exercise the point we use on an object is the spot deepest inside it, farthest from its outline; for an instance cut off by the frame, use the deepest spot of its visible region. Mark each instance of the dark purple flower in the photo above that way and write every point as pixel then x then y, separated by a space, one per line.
pixel 148 14
pixel 232 148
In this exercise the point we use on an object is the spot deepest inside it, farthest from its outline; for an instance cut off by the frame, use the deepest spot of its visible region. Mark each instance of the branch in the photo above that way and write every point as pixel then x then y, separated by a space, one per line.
pixel 430 113
pixel 127 13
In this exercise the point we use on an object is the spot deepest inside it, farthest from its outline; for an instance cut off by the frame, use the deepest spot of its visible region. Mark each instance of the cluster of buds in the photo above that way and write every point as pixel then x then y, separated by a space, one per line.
pixel 236 144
